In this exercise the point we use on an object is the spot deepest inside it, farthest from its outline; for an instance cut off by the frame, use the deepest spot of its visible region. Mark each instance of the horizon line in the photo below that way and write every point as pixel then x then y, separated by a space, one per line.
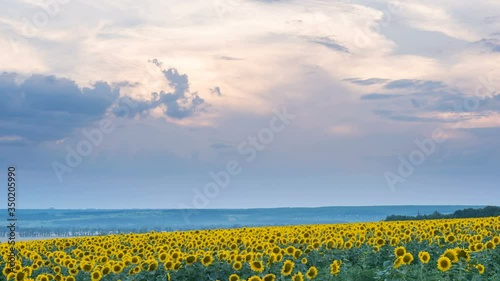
pixel 256 208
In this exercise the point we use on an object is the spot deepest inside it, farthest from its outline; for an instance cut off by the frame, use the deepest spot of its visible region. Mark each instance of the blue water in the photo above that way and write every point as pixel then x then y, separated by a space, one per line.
pixel 141 220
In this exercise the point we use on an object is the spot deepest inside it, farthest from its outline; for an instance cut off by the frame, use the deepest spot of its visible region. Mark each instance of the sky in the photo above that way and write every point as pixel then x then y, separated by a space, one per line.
pixel 250 103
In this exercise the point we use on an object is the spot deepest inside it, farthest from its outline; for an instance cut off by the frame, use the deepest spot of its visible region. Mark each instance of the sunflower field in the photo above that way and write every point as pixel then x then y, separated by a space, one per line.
pixel 458 249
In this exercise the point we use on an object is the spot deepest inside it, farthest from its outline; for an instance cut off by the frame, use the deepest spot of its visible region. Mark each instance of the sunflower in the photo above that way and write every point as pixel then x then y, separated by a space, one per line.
pixel 312 272
pixel 297 253
pixel 480 268
pixel 96 276
pixel 290 250
pixel 394 241
pixel 234 277
pixel 28 271
pixel 496 240
pixel 451 254
pixel 335 267
pixel 303 261
pixel 207 260
pixel 153 265
pixel 168 265
pixel 424 257
pixel 20 276
pixel 257 266
pixel 163 256
pixel 190 259
pixel 105 270
pixel 137 270
pixel 407 258
pixel 269 277
pixel 298 277
pixel 462 253
pixel 451 238
pixel 11 275
pixel 279 257
pixel 398 262
pixel 400 251
pixel 254 278
pixel 287 268
pixel 381 242
pixel 117 268
pixel 237 265
pixel 444 263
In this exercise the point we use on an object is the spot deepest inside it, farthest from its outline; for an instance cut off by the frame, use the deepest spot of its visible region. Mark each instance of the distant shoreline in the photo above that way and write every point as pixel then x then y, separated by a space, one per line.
pixel 249 209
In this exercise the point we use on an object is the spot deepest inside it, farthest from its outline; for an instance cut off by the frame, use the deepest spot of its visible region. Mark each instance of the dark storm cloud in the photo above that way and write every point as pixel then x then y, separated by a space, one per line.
pixel 179 104
pixel 43 108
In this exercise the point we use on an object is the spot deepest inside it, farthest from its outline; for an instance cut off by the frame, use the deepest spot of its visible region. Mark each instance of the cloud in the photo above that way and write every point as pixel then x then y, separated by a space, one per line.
pixel 178 104
pixel 396 116
pixel 227 58
pixel 43 108
pixel 411 84
pixel 492 44
pixel 216 91
pixel 492 19
pixel 423 85
pixel 427 101
pixel 376 96
pixel 330 43
pixel 12 140
pixel 366 82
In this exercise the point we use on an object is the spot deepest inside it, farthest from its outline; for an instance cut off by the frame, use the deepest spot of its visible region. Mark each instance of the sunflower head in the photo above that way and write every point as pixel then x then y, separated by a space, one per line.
pixel 312 272
pixel 407 258
pixel 287 268
pixel 400 251
pixel 480 268
pixel 424 257
pixel 444 263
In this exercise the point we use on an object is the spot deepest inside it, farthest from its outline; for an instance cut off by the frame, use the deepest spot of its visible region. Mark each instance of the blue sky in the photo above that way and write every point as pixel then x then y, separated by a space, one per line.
pixel 128 104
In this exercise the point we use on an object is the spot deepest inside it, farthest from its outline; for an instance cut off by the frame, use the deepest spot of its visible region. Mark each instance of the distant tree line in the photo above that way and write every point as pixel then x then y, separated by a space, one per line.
pixel 489 211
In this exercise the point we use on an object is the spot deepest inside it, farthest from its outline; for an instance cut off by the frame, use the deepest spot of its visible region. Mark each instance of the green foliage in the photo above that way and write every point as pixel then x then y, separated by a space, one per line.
pixel 489 211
